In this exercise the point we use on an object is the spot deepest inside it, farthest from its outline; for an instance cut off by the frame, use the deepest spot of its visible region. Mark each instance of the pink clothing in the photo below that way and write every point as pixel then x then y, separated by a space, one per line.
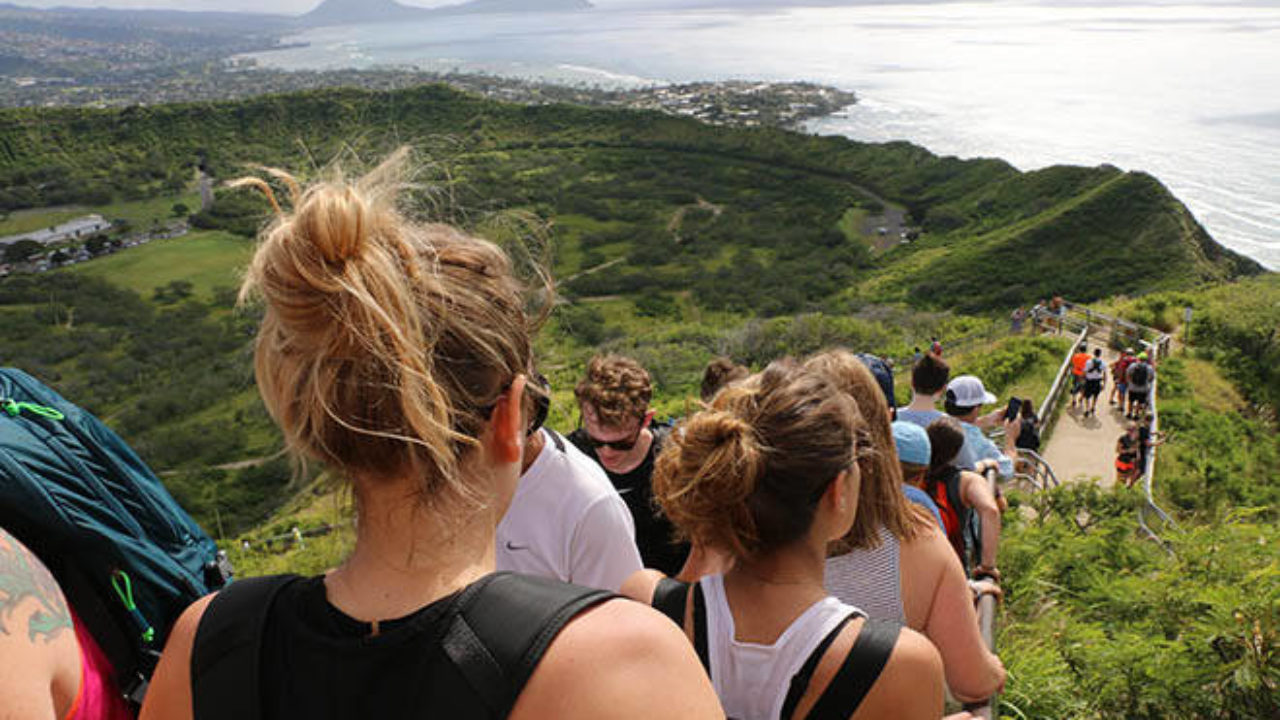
pixel 98 697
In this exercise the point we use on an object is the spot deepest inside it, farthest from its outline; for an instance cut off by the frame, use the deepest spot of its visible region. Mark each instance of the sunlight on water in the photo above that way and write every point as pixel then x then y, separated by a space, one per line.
pixel 1190 94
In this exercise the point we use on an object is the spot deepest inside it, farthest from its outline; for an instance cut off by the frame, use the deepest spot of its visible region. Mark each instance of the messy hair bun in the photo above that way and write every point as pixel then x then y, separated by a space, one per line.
pixel 746 474
pixel 384 342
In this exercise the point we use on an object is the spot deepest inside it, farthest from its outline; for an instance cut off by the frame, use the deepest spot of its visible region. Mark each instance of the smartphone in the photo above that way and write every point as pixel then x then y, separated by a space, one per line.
pixel 1011 410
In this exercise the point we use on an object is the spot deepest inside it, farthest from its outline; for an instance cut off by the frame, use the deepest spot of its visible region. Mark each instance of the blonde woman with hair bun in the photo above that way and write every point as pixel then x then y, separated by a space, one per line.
pixel 769 475
pixel 395 353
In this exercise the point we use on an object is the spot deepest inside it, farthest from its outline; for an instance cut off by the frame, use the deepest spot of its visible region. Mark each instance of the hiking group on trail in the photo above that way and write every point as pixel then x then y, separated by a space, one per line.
pixel 797 547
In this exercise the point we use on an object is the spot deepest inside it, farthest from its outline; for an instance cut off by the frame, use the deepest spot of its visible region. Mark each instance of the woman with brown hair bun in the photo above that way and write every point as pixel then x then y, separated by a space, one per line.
pixel 396 353
pixel 894 562
pixel 769 475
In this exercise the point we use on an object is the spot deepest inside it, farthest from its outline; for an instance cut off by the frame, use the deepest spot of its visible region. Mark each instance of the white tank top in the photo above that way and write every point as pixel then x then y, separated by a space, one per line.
pixel 752 680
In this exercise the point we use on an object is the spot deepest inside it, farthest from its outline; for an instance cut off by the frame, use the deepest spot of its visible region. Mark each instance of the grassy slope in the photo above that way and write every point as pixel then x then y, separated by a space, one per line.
pixel 205 259
pixel 1087 233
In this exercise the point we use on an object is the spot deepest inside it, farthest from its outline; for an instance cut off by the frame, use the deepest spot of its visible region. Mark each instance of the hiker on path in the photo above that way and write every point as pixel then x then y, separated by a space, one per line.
pixel 396 353
pixel 617 431
pixel 1095 376
pixel 1120 378
pixel 1141 376
pixel 1078 362
pixel 1127 450
pixel 1016 320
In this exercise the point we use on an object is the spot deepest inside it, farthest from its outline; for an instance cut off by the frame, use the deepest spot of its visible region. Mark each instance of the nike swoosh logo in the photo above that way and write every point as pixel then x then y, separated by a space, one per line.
pixel 513 546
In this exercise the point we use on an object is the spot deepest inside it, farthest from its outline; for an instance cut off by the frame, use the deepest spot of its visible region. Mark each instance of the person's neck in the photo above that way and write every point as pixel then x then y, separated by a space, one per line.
pixel 767 594
pixel 922 402
pixel 532 449
pixel 408 555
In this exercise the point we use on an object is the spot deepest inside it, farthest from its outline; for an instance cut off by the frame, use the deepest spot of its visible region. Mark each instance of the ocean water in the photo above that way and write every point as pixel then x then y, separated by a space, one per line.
pixel 1189 93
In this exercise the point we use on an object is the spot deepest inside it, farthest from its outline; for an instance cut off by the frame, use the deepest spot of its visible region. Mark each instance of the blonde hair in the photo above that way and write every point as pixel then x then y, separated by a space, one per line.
pixel 617 388
pixel 881 502
pixel 746 474
pixel 385 343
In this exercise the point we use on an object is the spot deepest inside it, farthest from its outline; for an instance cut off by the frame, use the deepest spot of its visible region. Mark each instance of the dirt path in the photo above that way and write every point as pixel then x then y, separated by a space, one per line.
pixel 677 219
pixel 1084 447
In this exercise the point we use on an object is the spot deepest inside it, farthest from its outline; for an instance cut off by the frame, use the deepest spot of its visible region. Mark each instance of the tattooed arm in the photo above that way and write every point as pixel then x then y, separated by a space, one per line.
pixel 40 675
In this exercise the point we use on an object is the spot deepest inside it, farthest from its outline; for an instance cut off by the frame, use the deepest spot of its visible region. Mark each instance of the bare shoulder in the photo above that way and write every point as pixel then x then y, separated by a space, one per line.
pixel 620 659
pixel 639 586
pixel 37 636
pixel 169 695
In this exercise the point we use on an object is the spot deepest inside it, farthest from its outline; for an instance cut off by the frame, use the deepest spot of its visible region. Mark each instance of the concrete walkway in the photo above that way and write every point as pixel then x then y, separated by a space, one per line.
pixel 1084 447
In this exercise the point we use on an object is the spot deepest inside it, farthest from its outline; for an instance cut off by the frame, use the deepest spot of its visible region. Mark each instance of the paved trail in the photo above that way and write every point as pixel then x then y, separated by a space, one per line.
pixel 1084 447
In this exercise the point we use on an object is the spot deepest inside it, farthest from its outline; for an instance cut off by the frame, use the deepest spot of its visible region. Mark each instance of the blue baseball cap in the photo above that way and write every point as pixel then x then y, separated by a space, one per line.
pixel 883 375
pixel 912 442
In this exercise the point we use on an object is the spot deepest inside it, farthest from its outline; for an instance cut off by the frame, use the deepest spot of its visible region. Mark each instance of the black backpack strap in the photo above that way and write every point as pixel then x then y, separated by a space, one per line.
pixel 859 672
pixel 700 627
pixel 225 660
pixel 671 598
pixel 503 626
pixel 800 681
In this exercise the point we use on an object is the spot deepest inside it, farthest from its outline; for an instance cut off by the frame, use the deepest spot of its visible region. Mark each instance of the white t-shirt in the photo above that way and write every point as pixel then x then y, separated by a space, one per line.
pixel 567 522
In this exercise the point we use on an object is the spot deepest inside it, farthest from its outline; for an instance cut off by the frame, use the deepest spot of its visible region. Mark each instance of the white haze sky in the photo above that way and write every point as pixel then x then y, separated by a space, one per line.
pixel 295 7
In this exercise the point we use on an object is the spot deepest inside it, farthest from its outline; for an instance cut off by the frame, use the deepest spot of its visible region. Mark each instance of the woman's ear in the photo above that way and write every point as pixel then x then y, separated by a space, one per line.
pixel 508 423
pixel 837 495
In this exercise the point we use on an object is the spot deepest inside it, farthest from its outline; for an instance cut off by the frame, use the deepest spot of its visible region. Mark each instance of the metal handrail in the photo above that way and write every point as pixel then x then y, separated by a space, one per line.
pixel 986 607
pixel 1042 475
pixel 1149 469
pixel 1059 381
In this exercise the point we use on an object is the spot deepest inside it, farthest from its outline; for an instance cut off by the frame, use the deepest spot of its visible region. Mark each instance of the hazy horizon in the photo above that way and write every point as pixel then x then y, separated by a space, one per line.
pixel 298 7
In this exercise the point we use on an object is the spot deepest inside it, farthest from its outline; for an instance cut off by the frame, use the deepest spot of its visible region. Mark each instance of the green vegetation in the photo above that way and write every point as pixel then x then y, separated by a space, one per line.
pixel 775 248
pixel 1101 622
pixel 674 242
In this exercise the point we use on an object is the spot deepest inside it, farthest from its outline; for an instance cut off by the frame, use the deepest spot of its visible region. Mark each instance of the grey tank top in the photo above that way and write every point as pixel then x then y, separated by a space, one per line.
pixel 869 580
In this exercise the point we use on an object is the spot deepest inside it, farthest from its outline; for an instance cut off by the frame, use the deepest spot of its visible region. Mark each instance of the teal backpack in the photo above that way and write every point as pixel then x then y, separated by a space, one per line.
pixel 127 557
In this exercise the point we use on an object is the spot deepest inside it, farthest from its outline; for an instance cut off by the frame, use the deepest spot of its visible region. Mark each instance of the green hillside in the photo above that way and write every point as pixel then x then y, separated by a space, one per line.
pixel 672 242
pixel 688 205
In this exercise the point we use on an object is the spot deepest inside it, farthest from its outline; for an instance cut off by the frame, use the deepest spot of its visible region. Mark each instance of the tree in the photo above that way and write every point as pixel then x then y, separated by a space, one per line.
pixel 181 210
pixel 176 291
pixel 21 251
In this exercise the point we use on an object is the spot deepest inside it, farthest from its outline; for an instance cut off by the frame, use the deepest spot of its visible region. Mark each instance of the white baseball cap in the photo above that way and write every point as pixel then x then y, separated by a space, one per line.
pixel 967 391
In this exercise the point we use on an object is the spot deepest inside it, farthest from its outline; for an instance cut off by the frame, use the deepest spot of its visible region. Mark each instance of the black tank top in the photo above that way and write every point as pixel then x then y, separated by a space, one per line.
pixel 319 663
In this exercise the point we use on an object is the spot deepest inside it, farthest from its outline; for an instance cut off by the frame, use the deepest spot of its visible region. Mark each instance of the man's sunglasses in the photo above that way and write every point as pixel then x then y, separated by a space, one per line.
pixel 619 445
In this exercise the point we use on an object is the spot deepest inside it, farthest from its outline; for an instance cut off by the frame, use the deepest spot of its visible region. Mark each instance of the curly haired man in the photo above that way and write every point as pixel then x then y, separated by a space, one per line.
pixel 617 431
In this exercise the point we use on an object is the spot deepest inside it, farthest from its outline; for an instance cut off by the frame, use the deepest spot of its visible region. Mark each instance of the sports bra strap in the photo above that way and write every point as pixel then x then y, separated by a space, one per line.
pixel 859 672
